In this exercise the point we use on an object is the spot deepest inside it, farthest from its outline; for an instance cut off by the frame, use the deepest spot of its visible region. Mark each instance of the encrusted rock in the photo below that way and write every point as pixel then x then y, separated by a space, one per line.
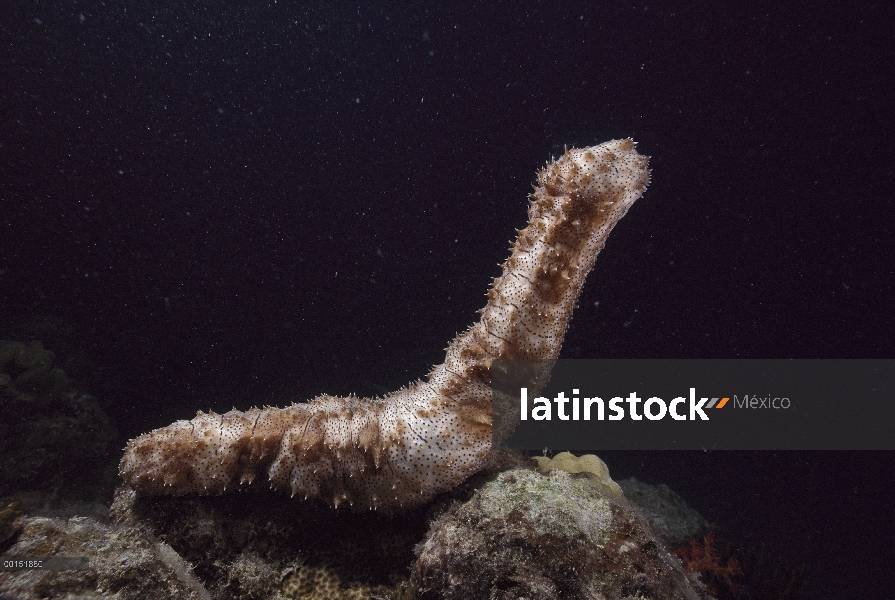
pixel 124 563
pixel 262 545
pixel 543 537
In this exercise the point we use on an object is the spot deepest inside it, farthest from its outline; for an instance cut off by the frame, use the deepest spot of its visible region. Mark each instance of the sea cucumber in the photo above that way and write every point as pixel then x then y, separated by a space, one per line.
pixel 424 439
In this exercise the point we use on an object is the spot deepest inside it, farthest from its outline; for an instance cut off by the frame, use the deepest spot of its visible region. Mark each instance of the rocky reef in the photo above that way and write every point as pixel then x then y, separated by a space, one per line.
pixel 51 437
pixel 528 535
pixel 511 531
pixel 124 563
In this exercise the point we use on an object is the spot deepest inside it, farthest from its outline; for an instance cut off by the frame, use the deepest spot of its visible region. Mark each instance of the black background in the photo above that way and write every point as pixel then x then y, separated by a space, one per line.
pixel 215 204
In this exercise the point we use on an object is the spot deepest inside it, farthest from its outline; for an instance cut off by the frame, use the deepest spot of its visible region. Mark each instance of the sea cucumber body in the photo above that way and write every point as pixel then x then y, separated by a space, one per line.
pixel 400 450
pixel 403 449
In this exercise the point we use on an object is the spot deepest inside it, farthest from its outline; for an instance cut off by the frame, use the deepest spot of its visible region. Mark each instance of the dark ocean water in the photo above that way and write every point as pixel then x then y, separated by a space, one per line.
pixel 217 204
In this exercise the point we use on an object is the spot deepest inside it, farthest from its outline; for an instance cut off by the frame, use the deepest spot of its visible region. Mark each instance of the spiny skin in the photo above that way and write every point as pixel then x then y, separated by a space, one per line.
pixel 402 450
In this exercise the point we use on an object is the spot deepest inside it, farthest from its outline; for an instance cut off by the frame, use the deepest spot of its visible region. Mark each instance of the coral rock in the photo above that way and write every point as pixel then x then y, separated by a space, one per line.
pixel 124 563
pixel 545 537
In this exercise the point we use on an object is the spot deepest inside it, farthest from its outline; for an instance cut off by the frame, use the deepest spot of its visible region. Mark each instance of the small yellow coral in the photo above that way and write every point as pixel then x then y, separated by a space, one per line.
pixel 589 464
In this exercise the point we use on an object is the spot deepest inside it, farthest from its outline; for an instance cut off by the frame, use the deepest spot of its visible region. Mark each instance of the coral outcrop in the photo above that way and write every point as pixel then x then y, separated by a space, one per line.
pixel 264 545
pixel 528 535
pixel 51 437
pixel 507 532
pixel 124 564
pixel 404 449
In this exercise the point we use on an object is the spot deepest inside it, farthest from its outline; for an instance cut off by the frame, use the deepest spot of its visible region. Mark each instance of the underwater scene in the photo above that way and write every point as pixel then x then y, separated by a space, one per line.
pixel 262 266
